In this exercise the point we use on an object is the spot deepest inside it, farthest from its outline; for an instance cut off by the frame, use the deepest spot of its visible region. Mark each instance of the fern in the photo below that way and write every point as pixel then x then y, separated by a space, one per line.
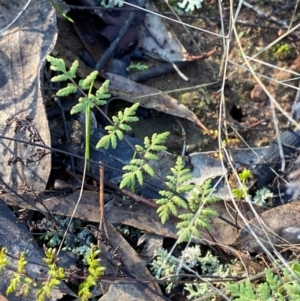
pixel 199 196
pixel 138 67
pixel 137 167
pixel 87 101
pixel 171 199
pixel 116 130
pixel 273 288
pixel 243 291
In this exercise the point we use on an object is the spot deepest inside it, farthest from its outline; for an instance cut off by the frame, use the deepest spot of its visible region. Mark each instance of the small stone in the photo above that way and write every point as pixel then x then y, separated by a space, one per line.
pixel 258 94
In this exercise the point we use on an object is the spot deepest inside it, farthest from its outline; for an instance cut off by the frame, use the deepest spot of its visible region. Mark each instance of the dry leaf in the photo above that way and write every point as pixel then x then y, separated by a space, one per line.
pixel 2 298
pixel 270 227
pixel 150 98
pixel 226 232
pixel 132 266
pixel 24 45
pixel 158 40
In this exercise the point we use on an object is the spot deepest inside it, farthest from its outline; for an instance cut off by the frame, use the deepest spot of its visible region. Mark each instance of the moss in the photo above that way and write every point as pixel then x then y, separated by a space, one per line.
pixel 195 101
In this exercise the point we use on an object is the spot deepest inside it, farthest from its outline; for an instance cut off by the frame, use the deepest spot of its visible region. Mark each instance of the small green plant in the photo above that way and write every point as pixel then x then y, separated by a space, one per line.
pixel 165 265
pixel 3 259
pixel 138 67
pixel 95 272
pixel 281 51
pixel 197 201
pixel 21 283
pixel 78 245
pixel 241 192
pixel 56 274
pixel 172 199
pixel 262 195
pixel 138 166
pixel 278 288
pixel 89 100
pixel 190 5
pixel 116 130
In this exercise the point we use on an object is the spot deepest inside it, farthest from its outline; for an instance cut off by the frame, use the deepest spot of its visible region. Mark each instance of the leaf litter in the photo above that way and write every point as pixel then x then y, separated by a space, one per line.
pixel 227 210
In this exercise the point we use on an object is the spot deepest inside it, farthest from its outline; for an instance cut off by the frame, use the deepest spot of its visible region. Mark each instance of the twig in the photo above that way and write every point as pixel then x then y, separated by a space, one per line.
pixel 102 225
pixel 280 148
pixel 109 51
pixel 295 108
pixel 183 137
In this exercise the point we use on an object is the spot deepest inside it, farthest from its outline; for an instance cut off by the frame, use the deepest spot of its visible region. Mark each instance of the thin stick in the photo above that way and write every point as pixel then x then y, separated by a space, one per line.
pixel 102 225
pixel 109 51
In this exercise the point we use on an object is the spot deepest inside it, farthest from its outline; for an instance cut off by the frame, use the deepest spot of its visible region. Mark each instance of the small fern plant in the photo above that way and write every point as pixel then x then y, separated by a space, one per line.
pixel 139 166
pixel 89 100
pixel 278 288
pixel 197 202
pixel 119 126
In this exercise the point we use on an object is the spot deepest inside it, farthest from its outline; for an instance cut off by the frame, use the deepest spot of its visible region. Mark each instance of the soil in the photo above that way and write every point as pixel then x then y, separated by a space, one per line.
pixel 248 113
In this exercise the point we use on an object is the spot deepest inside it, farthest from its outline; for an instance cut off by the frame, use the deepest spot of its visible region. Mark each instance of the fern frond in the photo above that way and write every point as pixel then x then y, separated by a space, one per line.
pixel 116 130
pixel 73 69
pixel 56 64
pixel 176 184
pixel 88 81
pixel 69 89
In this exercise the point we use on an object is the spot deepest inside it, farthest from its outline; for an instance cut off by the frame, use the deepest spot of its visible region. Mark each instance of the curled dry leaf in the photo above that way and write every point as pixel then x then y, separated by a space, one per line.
pixel 150 98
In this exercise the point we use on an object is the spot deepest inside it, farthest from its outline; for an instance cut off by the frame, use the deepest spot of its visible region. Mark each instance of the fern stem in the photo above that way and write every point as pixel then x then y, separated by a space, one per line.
pixel 88 131
pixel 87 136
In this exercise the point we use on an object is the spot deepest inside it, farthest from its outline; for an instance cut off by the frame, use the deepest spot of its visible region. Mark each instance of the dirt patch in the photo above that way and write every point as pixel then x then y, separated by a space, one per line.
pixel 247 108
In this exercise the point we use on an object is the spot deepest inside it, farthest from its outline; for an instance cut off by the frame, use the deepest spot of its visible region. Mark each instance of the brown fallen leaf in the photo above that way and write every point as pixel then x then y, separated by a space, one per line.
pixel 226 232
pixel 158 40
pixel 132 267
pixel 270 228
pixel 2 298
pixel 150 98
pixel 24 45
pixel 142 217
pixel 139 215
